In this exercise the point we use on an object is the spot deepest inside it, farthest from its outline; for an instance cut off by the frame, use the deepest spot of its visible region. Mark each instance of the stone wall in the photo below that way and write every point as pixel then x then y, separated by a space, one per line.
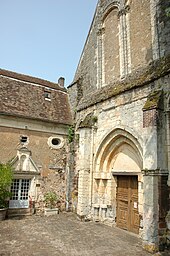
pixel 163 27
pixel 46 158
pixel 140 33
pixel 111 46
pixel 51 160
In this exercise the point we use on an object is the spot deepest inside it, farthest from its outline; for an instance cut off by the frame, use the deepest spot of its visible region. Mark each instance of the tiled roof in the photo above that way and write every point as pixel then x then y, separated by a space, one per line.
pixel 24 96
pixel 30 79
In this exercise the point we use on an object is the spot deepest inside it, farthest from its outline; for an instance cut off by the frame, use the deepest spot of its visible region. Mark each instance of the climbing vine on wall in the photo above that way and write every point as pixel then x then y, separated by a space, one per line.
pixel 167 11
pixel 70 134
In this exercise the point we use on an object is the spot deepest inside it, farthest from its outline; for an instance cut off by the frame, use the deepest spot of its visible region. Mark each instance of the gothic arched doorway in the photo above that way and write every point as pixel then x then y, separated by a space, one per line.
pixel 117 180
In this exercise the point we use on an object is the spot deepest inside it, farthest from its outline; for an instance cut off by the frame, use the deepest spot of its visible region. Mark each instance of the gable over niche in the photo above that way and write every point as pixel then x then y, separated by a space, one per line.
pixel 23 163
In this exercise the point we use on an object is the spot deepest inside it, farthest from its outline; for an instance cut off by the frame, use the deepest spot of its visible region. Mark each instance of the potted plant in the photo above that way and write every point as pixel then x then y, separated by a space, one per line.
pixel 51 199
pixel 6 176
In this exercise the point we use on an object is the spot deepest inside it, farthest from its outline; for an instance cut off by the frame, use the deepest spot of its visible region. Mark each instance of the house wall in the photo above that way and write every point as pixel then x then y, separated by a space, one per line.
pixel 40 111
pixel 51 162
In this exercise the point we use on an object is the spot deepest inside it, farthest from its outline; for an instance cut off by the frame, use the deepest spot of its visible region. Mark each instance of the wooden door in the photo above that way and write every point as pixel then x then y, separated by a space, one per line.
pixel 127 203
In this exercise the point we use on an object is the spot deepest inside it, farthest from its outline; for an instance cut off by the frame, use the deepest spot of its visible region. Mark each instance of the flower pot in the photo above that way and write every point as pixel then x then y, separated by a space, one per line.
pixel 3 213
pixel 50 212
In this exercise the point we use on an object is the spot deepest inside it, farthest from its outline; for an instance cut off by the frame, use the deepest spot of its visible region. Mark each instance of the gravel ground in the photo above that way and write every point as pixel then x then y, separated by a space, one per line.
pixel 63 235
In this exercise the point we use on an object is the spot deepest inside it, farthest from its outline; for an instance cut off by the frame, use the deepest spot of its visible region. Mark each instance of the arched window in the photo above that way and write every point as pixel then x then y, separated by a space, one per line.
pixel 111 56
pixel 114 61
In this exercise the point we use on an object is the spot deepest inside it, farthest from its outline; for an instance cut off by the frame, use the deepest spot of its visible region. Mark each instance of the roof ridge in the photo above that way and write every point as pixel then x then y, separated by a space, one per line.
pixel 30 79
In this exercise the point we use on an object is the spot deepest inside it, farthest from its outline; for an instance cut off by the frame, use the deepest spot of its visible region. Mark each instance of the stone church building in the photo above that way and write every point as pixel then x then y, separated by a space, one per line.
pixel 120 100
pixel 104 143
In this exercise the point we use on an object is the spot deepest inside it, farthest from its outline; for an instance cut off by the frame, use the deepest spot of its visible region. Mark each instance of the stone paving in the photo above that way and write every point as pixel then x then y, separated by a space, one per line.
pixel 63 235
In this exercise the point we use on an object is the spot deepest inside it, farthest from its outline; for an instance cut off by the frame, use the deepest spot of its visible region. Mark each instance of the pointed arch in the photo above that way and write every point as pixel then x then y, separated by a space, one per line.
pixel 118 144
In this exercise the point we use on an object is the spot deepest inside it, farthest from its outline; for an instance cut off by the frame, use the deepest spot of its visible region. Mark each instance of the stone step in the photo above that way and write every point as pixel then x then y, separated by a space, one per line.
pixel 19 212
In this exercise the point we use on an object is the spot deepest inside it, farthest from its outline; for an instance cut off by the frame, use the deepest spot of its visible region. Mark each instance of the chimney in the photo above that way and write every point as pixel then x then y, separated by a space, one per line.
pixel 61 81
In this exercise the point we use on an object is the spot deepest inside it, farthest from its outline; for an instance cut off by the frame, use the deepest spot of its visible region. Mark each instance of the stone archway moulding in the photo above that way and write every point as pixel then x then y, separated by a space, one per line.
pixel 112 141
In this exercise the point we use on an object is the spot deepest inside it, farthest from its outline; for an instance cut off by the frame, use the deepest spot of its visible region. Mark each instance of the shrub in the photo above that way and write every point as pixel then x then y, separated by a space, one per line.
pixel 6 176
pixel 51 199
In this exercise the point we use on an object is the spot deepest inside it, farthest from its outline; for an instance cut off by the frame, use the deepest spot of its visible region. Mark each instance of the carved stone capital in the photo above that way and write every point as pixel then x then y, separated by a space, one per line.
pixel 100 31
pixel 124 10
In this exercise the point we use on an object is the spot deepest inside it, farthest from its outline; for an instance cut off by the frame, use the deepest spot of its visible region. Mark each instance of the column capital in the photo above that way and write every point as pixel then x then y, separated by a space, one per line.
pixel 124 10
pixel 100 31
pixel 84 171
pixel 155 172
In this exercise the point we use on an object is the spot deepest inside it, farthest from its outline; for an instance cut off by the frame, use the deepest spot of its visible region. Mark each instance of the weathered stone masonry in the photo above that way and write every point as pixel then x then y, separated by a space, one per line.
pixel 113 163
pixel 122 119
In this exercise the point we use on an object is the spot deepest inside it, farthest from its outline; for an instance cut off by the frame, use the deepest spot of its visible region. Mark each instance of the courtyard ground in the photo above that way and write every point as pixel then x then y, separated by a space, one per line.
pixel 63 235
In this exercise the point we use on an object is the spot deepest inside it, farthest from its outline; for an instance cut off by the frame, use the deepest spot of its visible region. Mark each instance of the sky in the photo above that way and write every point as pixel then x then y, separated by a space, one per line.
pixel 44 38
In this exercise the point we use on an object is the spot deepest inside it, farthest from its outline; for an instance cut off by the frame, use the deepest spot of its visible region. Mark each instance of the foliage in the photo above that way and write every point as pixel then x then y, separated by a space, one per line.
pixel 6 176
pixel 94 119
pixel 167 12
pixel 51 199
pixel 70 134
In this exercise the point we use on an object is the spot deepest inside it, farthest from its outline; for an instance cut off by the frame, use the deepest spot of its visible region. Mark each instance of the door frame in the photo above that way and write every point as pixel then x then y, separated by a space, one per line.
pixel 129 204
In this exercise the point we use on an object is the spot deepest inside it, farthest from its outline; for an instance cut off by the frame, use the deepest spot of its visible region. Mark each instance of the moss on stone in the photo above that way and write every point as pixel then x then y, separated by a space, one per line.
pixel 139 78
pixel 153 100
pixel 88 121
pixel 152 248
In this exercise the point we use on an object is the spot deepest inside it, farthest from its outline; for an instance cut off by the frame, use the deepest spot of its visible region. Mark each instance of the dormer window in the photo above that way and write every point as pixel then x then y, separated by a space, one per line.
pixel 23 139
pixel 47 95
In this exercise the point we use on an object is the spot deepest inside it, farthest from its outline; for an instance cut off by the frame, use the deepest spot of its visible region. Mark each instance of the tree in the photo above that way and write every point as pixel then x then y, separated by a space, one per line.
pixel 6 176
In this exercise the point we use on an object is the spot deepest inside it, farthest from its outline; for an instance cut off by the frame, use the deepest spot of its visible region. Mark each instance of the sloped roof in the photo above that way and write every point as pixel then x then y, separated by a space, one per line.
pixel 30 79
pixel 24 96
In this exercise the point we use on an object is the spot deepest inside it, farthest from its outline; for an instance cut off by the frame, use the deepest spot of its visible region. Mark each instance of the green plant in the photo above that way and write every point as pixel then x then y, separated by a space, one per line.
pixel 51 199
pixel 70 134
pixel 94 119
pixel 6 176
pixel 167 12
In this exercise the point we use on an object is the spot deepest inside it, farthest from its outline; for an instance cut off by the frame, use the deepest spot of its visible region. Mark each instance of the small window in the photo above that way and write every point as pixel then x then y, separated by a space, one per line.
pixel 23 139
pixel 47 95
pixel 55 142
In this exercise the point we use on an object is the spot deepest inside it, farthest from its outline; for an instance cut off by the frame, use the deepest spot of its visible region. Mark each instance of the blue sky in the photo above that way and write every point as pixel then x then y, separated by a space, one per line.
pixel 44 38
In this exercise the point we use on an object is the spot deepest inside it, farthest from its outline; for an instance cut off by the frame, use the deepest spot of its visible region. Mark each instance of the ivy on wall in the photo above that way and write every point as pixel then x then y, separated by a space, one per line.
pixel 70 134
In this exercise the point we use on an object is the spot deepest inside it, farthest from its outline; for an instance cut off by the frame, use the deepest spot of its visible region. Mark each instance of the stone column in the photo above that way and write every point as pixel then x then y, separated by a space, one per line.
pixel 150 181
pixel 168 155
pixel 125 61
pixel 155 29
pixel 150 211
pixel 100 57
pixel 168 141
pixel 84 171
